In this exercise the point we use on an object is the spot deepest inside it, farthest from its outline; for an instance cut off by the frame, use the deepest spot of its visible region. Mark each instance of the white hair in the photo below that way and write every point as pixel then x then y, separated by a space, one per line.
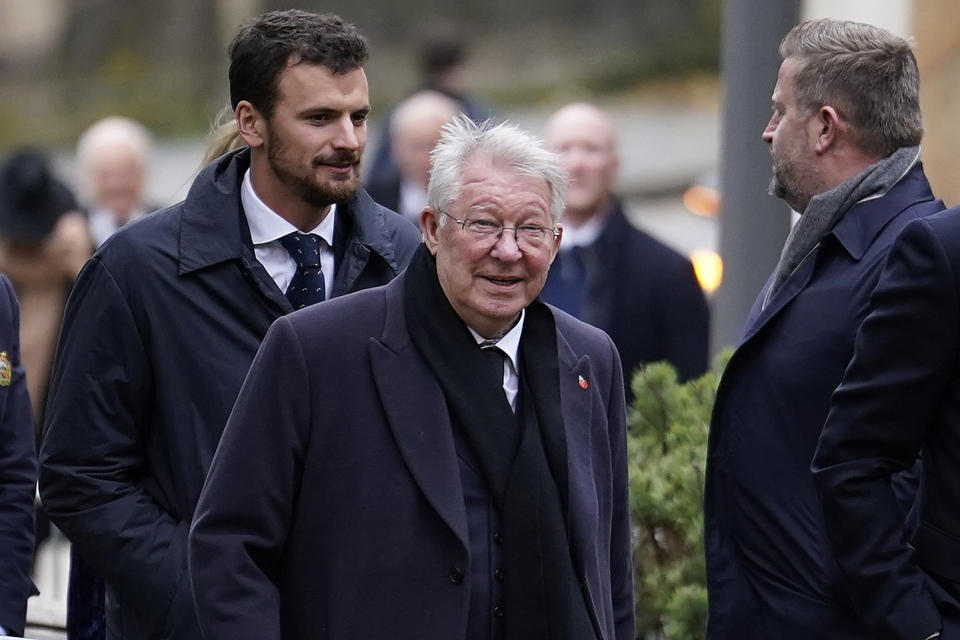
pixel 110 133
pixel 506 144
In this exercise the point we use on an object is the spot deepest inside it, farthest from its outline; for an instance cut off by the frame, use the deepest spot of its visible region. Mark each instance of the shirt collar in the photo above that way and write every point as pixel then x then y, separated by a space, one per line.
pixel 584 235
pixel 509 343
pixel 266 226
pixel 413 198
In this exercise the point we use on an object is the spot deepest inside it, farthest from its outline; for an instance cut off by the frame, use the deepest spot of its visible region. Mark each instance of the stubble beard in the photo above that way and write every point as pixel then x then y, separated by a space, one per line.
pixel 308 187
pixel 785 185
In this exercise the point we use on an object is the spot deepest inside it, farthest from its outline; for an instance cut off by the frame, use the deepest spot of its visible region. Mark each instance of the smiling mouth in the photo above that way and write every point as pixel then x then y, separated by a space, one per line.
pixel 340 162
pixel 502 282
pixel 338 166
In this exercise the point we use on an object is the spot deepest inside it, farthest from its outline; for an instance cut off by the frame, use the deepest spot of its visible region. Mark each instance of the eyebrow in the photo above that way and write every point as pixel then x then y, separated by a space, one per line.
pixel 314 111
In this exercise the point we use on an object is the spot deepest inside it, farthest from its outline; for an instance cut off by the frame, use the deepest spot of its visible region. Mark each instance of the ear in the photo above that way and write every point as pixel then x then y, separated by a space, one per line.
pixel 828 127
pixel 556 243
pixel 430 224
pixel 250 124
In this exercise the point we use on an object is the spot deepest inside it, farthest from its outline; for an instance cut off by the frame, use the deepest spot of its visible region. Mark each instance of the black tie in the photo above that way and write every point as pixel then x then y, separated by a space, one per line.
pixel 307 285
pixel 493 360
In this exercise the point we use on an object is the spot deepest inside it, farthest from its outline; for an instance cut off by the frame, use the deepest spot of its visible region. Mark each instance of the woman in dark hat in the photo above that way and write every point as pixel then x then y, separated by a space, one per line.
pixel 43 244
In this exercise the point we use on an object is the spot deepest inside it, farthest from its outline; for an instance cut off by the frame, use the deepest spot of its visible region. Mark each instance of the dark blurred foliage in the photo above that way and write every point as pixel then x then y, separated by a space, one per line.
pixel 164 63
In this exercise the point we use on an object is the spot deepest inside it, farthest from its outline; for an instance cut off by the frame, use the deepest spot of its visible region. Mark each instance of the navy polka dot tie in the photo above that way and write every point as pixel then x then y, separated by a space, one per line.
pixel 307 285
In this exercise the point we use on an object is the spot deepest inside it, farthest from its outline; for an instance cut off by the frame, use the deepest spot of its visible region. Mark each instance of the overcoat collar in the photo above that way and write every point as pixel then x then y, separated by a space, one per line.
pixel 854 232
pixel 214 228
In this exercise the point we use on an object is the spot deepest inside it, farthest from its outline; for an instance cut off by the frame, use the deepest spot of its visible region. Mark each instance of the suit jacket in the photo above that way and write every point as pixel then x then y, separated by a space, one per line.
pixel 18 470
pixel 159 332
pixel 334 507
pixel 770 568
pixel 899 397
pixel 645 296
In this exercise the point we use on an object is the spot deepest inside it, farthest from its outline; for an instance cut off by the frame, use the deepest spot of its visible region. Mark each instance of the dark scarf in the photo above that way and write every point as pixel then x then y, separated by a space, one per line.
pixel 523 462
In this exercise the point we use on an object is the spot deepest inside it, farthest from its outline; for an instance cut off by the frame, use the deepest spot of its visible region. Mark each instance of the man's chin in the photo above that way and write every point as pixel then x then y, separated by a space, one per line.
pixel 332 192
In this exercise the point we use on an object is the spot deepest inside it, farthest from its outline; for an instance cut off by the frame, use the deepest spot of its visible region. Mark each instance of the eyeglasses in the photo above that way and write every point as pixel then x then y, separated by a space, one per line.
pixel 527 236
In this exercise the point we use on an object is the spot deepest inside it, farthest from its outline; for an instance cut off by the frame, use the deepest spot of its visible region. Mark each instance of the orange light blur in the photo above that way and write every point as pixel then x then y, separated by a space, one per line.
pixel 708 266
pixel 701 200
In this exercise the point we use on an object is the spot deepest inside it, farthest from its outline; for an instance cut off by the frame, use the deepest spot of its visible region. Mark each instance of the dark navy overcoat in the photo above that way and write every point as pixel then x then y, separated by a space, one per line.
pixel 770 568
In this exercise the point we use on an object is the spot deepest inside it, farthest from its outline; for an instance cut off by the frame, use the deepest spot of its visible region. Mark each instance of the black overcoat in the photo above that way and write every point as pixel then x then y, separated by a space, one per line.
pixel 158 335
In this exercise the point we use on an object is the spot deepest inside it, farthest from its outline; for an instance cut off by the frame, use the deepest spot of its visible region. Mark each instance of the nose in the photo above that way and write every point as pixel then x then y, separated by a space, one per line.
pixel 506 247
pixel 347 134
pixel 767 135
pixel 573 160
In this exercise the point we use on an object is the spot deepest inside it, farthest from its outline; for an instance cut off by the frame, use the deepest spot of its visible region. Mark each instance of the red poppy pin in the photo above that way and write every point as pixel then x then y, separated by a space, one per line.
pixel 583 382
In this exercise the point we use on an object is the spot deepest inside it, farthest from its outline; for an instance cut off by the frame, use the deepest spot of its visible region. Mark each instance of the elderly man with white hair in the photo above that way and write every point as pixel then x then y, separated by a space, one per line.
pixel 442 457
pixel 112 161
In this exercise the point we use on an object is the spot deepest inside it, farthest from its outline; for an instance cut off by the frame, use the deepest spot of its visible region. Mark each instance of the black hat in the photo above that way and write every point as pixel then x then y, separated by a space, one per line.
pixel 31 199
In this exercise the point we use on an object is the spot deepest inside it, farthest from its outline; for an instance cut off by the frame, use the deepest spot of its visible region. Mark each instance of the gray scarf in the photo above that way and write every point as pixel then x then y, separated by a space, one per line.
pixel 825 210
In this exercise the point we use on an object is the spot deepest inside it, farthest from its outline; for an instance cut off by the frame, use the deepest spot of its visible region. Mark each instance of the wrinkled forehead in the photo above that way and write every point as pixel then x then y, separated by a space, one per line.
pixel 491 184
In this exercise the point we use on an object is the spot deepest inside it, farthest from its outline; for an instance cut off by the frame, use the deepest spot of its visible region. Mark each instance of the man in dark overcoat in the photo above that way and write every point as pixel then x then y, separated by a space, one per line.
pixel 612 274
pixel 168 314
pixel 844 138
pixel 900 400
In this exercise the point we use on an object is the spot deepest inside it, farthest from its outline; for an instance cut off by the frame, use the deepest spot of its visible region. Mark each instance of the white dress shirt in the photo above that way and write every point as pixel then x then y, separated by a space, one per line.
pixel 413 199
pixel 584 235
pixel 266 229
pixel 103 223
pixel 509 344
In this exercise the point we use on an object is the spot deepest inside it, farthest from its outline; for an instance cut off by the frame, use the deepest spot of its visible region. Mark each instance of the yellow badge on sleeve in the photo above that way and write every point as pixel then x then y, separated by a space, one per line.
pixel 6 370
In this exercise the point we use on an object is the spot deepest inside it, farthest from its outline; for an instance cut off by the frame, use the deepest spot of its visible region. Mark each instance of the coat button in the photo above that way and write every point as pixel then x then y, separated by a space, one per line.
pixel 498 611
pixel 498 574
pixel 455 575
pixel 498 538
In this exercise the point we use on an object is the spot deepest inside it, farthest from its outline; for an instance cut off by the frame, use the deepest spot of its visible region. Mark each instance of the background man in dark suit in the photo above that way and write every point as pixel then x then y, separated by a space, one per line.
pixel 451 462
pixel 843 137
pixel 18 470
pixel 611 274
pixel 415 127
pixel 166 317
pixel 900 396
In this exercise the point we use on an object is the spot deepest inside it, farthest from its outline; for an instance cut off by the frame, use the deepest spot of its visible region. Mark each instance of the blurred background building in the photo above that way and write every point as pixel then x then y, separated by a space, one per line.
pixel 660 68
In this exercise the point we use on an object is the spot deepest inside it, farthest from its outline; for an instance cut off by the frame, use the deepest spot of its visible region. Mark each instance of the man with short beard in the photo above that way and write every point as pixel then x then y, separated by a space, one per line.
pixel 166 317
pixel 844 137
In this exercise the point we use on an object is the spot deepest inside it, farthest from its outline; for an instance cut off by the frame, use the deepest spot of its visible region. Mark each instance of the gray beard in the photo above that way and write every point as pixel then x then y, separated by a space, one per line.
pixel 795 197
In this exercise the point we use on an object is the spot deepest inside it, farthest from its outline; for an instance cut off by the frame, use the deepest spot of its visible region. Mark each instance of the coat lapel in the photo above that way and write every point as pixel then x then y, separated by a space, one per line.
pixel 417 414
pixel 791 287
pixel 577 404
pixel 600 298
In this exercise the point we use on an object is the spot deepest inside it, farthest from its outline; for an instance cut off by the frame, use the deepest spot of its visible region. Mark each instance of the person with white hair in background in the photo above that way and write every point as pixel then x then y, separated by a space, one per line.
pixel 611 274
pixel 112 162
pixel 414 130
